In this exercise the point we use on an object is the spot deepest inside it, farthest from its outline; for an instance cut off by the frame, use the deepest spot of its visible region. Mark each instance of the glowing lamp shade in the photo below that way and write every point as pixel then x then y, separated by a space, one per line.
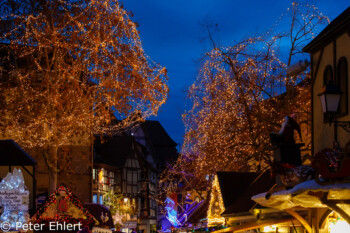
pixel 271 228
pixel 339 226
pixel 330 98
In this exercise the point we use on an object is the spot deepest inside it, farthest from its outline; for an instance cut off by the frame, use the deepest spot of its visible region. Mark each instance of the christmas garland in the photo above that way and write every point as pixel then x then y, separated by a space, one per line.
pixel 37 218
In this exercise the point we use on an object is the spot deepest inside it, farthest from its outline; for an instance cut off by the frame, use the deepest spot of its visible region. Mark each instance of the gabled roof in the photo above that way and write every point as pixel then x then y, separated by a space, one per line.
pixel 50 212
pixel 160 145
pixel 164 155
pixel 337 27
pixel 233 184
pixel 113 150
pixel 157 134
pixel 263 183
pixel 11 154
pixel 200 213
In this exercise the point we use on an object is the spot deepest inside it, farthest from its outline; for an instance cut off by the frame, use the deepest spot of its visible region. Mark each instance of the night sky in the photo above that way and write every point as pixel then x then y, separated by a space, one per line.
pixel 171 35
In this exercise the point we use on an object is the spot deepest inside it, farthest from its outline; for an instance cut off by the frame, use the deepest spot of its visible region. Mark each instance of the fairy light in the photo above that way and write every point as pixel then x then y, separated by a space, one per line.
pixel 13 185
pixel 48 211
pixel 216 205
pixel 69 73
pixel 237 101
pixel 120 206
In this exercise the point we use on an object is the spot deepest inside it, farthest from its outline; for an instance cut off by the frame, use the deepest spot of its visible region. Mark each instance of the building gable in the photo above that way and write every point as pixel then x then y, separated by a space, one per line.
pixel 216 205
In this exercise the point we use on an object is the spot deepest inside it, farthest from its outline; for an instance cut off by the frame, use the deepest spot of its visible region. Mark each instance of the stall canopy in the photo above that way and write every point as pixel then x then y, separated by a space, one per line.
pixel 11 154
pixel 310 194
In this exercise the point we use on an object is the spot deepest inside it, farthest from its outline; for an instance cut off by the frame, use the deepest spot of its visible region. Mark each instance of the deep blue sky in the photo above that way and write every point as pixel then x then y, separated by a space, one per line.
pixel 171 36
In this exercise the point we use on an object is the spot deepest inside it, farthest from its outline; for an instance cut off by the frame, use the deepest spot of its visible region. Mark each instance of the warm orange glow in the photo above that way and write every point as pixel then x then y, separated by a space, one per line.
pixel 238 99
pixel 100 177
pixel 216 205
pixel 70 72
pixel 271 228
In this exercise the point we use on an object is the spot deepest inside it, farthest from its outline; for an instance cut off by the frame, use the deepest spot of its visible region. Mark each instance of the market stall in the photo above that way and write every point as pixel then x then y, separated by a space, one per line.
pixel 311 195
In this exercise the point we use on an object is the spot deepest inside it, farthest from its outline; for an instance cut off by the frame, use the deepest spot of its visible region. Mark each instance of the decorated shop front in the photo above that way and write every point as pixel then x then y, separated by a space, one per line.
pixel 328 205
pixel 63 211
pixel 12 159
pixel 320 189
pixel 14 201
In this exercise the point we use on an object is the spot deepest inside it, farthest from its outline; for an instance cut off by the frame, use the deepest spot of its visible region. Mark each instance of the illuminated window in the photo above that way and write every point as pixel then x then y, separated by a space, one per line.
pixel 94 177
pixel 132 181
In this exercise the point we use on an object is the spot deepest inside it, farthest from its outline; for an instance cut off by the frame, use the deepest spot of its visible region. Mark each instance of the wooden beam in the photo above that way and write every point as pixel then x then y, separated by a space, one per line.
pixel 332 204
pixel 253 225
pixel 339 210
pixel 300 219
pixel 317 68
pixel 336 201
pixel 323 219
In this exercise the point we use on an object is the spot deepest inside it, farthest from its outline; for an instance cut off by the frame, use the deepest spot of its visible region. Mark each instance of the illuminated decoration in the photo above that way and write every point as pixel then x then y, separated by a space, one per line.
pixel 238 90
pixel 190 209
pixel 337 224
pixel 80 69
pixel 64 207
pixel 216 205
pixel 120 207
pixel 100 176
pixel 269 228
pixel 175 219
pixel 14 199
pixel 171 213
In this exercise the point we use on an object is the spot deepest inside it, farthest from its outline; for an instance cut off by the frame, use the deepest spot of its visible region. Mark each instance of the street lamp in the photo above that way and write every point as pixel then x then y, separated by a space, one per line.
pixel 330 99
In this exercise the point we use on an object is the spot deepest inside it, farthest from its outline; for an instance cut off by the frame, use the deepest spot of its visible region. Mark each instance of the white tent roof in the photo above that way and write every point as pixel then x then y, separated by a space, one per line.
pixel 310 194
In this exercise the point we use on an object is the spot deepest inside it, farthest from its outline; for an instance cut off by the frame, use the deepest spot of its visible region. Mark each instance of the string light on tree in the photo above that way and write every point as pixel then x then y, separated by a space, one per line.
pixel 70 68
pixel 240 96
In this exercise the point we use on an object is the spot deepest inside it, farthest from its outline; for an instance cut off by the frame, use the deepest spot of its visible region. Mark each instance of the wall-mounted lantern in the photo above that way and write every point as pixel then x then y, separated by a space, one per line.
pixel 330 99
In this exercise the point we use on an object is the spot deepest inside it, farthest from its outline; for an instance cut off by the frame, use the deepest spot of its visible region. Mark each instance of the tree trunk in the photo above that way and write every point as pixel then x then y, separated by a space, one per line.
pixel 53 170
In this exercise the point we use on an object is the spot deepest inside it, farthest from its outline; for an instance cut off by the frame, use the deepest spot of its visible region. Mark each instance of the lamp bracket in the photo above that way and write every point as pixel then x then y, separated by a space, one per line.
pixel 345 125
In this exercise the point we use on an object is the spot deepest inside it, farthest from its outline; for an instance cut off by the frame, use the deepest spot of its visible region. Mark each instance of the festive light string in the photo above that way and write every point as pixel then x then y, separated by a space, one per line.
pixel 96 48
pixel 68 74
pixel 13 184
pixel 238 100
pixel 87 220
pixel 214 217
